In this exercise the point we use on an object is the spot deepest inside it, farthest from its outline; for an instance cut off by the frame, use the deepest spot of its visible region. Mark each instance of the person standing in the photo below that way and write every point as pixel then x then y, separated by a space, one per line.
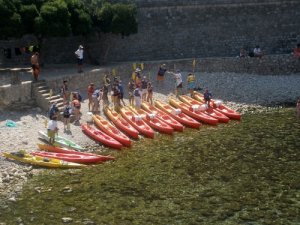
pixel 76 109
pixel 67 114
pixel 179 86
pixel 131 88
pixel 105 95
pixel 53 111
pixel 121 95
pixel 90 91
pixel 79 55
pixel 161 73
pixel 144 84
pixel 137 93
pixel 52 129
pixel 96 101
pixel 65 91
pixel 35 66
pixel 207 97
pixel 150 93
pixel 191 83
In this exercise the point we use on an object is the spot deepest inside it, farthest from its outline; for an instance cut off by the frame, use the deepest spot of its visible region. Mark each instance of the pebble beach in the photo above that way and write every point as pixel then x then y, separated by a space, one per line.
pixel 243 92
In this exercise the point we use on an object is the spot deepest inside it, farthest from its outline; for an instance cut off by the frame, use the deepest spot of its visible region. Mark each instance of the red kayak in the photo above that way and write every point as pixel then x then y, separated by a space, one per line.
pixel 111 130
pixel 100 136
pixel 153 121
pixel 162 116
pixel 121 123
pixel 190 111
pixel 217 104
pixel 178 115
pixel 57 149
pixel 137 122
pixel 208 110
pixel 70 157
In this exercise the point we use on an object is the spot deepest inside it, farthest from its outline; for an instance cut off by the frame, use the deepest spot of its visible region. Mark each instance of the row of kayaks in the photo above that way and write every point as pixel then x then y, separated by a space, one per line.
pixel 162 117
pixel 125 126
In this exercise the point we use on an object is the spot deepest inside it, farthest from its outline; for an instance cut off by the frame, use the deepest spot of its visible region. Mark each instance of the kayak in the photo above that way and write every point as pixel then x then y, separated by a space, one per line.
pixel 61 141
pixel 69 157
pixel 208 110
pixel 111 130
pixel 137 122
pixel 190 111
pixel 178 115
pixel 57 149
pixel 153 121
pixel 25 157
pixel 219 106
pixel 163 116
pixel 121 123
pixel 100 136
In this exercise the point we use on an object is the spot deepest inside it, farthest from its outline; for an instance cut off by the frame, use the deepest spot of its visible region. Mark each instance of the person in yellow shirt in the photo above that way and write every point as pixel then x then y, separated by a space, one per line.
pixel 191 83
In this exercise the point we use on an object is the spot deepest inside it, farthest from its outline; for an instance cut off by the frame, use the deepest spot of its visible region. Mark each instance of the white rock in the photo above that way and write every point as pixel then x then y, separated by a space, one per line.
pixel 66 219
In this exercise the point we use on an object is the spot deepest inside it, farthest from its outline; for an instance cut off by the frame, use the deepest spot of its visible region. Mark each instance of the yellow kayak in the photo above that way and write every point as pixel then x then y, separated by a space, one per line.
pixel 25 157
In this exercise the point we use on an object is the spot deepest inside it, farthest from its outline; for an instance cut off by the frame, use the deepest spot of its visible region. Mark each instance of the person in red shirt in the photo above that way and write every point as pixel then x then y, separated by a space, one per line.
pixel 90 91
pixel 296 51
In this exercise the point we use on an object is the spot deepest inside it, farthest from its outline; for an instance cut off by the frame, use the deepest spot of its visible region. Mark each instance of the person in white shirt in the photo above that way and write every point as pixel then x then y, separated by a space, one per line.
pixel 52 129
pixel 178 77
pixel 79 55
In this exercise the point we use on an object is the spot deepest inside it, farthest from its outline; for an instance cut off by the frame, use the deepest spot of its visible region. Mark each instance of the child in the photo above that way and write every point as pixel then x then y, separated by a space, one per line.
pixel 207 97
pixel 52 129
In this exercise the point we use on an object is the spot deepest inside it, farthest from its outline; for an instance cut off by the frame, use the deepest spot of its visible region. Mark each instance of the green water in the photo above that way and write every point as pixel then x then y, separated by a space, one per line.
pixel 244 172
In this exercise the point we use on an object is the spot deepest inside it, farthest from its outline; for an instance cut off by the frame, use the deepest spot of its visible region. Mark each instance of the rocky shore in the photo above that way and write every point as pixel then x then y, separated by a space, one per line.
pixel 242 92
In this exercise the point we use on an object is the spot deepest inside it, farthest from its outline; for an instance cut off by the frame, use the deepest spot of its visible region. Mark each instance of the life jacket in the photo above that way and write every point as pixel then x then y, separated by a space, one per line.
pixel 144 84
pixel 191 79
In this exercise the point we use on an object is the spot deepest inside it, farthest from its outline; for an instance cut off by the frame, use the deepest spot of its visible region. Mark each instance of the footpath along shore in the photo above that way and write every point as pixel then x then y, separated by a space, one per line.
pixel 242 92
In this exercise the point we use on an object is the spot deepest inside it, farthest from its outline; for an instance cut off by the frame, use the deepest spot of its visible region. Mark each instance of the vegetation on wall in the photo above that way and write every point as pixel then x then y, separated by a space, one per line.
pixel 52 18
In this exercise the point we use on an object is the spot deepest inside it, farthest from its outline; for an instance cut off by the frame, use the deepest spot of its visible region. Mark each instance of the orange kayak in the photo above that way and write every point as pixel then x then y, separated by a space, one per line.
pixel 152 120
pixel 178 115
pixel 190 111
pixel 121 123
pixel 162 116
pixel 100 136
pixel 57 149
pixel 220 107
pixel 208 110
pixel 137 122
pixel 111 130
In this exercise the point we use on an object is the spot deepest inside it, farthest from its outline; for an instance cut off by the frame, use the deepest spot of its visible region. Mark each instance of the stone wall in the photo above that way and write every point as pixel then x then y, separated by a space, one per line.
pixel 176 29
pixel 268 65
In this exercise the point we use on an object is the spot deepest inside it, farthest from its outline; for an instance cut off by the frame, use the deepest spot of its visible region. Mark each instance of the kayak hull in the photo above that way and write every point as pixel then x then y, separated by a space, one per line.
pixel 153 121
pixel 110 130
pixel 121 123
pixel 56 149
pixel 198 115
pixel 230 113
pixel 101 137
pixel 61 141
pixel 163 116
pixel 180 117
pixel 41 161
pixel 69 157
pixel 209 111
pixel 139 125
